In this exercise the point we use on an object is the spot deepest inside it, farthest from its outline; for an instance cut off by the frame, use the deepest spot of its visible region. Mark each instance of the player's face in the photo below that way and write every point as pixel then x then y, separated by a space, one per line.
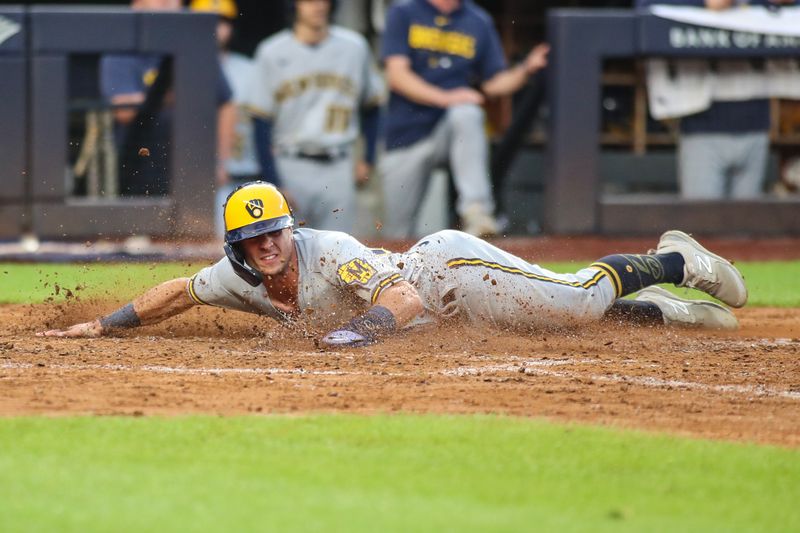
pixel 271 253
pixel 313 13
pixel 224 30
pixel 446 6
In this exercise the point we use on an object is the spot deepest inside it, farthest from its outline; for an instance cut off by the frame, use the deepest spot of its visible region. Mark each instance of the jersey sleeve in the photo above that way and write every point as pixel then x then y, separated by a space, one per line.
pixel 491 59
pixel 258 95
pixel 354 267
pixel 374 90
pixel 218 285
pixel 395 38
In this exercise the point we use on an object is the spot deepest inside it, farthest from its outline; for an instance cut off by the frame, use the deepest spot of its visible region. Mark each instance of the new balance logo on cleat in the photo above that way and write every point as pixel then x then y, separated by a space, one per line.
pixel 704 262
pixel 693 313
pixel 704 270
pixel 678 307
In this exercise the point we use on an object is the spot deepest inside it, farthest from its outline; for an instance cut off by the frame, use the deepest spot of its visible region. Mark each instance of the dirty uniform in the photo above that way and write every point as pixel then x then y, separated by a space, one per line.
pixel 455 274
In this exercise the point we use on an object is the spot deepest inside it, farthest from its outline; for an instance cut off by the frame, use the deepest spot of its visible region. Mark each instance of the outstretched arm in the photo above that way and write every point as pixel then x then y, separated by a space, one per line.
pixel 395 307
pixel 511 80
pixel 403 80
pixel 157 304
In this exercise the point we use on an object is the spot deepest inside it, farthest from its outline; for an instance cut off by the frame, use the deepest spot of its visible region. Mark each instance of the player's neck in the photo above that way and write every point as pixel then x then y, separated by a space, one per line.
pixel 310 35
pixel 282 288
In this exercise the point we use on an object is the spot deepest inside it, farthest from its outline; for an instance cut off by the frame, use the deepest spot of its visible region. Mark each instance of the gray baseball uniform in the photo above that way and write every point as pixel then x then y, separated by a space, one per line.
pixel 454 273
pixel 312 95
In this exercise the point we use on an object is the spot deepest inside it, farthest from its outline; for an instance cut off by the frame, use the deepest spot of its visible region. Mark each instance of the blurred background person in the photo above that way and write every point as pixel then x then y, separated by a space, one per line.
pixel 314 89
pixel 139 86
pixel 436 52
pixel 237 161
pixel 723 149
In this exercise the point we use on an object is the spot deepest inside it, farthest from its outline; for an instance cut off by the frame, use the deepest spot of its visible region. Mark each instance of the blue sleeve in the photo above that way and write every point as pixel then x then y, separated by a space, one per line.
pixel 490 58
pixel 395 38
pixel 224 92
pixel 119 75
pixel 370 125
pixel 262 131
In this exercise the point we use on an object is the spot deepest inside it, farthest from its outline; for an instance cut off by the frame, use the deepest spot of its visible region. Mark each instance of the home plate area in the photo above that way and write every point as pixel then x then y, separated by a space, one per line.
pixel 742 385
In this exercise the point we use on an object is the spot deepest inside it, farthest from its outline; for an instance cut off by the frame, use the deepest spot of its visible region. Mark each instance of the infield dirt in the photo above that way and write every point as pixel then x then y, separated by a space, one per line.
pixel 742 385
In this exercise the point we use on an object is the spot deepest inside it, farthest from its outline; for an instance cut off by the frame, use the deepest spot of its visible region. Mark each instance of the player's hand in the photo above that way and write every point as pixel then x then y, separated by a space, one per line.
pixel 87 329
pixel 537 58
pixel 463 95
pixel 363 170
pixel 344 338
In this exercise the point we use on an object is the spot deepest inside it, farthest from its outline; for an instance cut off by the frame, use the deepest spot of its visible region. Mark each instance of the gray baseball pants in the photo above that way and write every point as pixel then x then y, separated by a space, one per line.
pixel 460 140
pixel 713 166
pixel 322 194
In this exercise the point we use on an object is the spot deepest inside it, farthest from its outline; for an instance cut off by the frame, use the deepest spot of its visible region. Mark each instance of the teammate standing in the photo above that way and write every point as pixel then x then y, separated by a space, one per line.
pixel 314 88
pixel 274 270
pixel 436 52
pixel 125 81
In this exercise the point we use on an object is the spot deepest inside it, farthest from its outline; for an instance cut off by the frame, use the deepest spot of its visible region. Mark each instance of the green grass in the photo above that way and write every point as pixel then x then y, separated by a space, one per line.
pixel 382 473
pixel 771 283
pixel 33 283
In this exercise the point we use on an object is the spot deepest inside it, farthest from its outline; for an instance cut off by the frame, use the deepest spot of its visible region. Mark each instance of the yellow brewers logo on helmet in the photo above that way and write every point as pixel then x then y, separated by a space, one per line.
pixel 254 209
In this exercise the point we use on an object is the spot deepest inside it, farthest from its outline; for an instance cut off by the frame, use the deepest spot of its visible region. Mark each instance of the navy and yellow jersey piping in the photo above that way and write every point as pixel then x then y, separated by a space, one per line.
pixel 193 293
pixel 462 262
pixel 612 274
pixel 391 280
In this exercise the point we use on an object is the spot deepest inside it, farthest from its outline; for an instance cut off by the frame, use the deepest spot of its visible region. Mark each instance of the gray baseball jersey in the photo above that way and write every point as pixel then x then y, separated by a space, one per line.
pixel 312 94
pixel 454 273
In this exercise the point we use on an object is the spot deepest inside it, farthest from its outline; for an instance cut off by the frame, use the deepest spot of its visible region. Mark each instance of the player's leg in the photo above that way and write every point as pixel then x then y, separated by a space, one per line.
pixel 680 260
pixel 701 167
pixel 654 305
pixel 492 286
pixel 405 173
pixel 468 154
pixel 296 181
pixel 747 178
pixel 631 273
pixel 335 195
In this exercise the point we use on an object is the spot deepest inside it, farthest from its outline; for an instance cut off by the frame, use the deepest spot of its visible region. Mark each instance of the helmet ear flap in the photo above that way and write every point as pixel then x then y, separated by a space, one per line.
pixel 240 266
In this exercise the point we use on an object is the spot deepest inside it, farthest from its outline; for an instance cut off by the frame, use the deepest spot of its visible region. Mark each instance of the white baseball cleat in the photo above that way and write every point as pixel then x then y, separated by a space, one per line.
pixel 692 313
pixel 705 271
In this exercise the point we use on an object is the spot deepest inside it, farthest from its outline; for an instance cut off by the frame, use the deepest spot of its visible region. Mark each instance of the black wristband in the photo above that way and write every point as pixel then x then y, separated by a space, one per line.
pixel 377 321
pixel 124 317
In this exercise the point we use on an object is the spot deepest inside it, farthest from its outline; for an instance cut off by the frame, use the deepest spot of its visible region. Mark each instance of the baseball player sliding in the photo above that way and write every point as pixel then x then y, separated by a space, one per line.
pixel 272 269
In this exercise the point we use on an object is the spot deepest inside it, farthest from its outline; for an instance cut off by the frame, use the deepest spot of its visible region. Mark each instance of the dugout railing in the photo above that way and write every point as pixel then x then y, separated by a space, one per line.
pixel 36 44
pixel 582 39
